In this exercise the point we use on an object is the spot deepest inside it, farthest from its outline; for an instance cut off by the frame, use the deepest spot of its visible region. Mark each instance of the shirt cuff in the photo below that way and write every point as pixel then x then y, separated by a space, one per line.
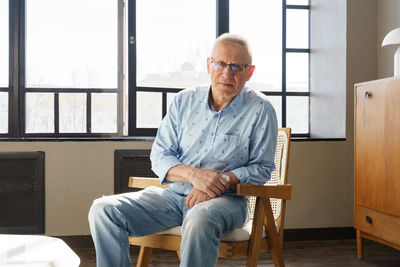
pixel 162 167
pixel 242 174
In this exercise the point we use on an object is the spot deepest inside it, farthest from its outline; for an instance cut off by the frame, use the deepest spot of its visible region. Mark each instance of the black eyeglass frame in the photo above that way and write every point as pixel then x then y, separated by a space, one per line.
pixel 235 68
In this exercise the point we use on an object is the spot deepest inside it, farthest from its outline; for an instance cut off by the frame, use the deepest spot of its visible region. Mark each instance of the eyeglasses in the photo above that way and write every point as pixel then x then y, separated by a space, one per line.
pixel 235 68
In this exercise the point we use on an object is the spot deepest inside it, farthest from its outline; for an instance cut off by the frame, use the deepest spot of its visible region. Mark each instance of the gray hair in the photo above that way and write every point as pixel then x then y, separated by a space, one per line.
pixel 230 38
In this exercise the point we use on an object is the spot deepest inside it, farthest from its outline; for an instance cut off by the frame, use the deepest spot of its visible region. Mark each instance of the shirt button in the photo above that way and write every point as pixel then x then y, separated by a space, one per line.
pixel 212 134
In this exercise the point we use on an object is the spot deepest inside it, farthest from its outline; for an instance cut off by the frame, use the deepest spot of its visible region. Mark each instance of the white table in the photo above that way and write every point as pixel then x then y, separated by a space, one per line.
pixel 35 251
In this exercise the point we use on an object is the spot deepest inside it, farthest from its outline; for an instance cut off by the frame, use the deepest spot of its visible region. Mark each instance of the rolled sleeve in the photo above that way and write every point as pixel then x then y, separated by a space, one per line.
pixel 162 165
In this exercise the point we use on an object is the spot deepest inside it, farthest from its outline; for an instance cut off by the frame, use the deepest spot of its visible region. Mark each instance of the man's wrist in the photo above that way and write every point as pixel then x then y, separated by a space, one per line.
pixel 233 180
pixel 191 173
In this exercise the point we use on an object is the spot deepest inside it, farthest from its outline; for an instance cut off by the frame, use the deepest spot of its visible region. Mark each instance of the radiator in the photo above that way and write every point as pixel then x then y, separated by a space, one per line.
pixel 135 162
pixel 22 192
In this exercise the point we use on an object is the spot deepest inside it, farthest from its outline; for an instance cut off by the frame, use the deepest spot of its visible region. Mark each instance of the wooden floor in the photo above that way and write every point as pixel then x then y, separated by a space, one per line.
pixel 296 253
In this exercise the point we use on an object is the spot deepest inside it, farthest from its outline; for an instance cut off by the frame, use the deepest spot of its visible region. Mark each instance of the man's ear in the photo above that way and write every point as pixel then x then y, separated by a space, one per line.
pixel 252 68
pixel 208 65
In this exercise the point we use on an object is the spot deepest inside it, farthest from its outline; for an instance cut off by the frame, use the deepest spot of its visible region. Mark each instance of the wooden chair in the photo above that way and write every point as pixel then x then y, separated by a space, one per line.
pixel 264 232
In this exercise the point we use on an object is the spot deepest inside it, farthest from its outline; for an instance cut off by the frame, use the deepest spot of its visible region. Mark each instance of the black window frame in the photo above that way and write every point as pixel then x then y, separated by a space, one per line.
pixel 222 26
pixel 285 51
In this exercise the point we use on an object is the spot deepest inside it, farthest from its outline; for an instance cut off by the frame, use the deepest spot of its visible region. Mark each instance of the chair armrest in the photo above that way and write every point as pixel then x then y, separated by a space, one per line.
pixel 143 182
pixel 268 191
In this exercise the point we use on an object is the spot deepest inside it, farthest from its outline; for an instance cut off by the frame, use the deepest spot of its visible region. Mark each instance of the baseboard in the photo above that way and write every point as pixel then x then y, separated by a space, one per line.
pixel 85 241
pixel 319 234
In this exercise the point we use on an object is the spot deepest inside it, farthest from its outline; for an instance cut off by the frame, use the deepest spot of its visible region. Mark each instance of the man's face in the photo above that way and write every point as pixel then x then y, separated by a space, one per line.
pixel 226 84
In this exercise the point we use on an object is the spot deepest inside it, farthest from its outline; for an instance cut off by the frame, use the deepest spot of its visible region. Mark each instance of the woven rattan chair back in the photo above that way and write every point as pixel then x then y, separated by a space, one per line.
pixel 278 175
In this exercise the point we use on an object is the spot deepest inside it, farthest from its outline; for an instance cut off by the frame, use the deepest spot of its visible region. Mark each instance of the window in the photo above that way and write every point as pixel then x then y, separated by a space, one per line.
pixel 81 68
pixel 169 59
pixel 173 56
pixel 70 67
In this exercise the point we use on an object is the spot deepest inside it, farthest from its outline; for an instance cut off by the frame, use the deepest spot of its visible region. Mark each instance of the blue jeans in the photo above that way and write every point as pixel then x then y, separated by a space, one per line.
pixel 113 218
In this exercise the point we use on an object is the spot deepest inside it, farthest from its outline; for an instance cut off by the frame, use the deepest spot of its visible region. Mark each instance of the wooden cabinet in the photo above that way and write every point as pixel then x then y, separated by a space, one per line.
pixel 377 162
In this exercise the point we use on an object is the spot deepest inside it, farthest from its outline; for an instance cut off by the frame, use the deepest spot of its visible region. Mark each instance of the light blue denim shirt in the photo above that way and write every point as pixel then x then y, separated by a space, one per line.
pixel 240 138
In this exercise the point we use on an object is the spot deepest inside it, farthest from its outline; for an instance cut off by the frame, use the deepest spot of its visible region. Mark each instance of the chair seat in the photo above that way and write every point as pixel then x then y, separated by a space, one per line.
pixel 237 235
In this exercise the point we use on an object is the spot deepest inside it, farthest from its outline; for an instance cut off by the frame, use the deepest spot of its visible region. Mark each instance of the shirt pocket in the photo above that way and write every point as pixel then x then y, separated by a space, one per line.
pixel 225 146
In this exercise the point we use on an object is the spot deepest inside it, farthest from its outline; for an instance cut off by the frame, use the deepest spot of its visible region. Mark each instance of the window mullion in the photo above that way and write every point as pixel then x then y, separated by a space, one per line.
pixel 131 67
pixel 283 63
pixel 222 17
pixel 13 109
pixel 56 114
pixel 88 112
pixel 21 67
pixel 164 104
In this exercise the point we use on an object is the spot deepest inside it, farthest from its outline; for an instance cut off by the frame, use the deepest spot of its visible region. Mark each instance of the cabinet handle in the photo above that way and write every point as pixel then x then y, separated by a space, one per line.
pixel 368 94
pixel 368 219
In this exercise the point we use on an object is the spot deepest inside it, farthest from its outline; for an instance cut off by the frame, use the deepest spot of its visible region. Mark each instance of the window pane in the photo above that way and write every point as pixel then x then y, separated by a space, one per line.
pixel 72 113
pixel 4 43
pixel 174 39
pixel 297 114
pixel 260 22
pixel 39 113
pixel 297 72
pixel 64 48
pixel 297 2
pixel 104 113
pixel 276 102
pixel 297 28
pixel 149 110
pixel 3 112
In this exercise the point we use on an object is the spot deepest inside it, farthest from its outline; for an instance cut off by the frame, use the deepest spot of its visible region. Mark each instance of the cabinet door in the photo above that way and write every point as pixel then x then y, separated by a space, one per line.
pixel 377 137
pixel 392 147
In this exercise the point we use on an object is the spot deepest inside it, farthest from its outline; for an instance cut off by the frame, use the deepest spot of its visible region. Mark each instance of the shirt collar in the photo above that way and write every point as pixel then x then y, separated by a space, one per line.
pixel 235 104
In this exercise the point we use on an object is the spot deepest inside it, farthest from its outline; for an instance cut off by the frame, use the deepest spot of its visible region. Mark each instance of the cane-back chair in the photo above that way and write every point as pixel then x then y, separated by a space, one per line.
pixel 263 233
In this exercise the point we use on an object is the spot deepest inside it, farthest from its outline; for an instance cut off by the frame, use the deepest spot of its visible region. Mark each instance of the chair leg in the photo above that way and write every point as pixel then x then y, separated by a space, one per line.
pixel 272 235
pixel 144 256
pixel 256 233
pixel 179 254
pixel 359 245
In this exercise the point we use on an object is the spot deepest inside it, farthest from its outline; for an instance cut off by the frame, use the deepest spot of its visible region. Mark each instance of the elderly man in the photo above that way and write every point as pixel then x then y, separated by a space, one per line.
pixel 212 138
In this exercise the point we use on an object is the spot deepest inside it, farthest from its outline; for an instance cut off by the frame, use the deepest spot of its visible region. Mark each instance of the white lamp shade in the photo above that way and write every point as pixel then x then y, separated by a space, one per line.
pixel 393 37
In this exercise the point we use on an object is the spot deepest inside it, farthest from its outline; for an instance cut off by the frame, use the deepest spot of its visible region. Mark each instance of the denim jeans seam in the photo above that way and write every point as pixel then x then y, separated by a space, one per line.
pixel 208 251
pixel 120 250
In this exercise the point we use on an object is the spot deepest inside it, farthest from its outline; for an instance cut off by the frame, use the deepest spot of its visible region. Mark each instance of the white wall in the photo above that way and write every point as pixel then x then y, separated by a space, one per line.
pixel 328 69
pixel 321 172
pixel 76 173
pixel 388 19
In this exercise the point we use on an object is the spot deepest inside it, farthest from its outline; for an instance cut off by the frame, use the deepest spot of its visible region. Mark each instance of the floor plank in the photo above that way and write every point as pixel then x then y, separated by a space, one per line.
pixel 296 253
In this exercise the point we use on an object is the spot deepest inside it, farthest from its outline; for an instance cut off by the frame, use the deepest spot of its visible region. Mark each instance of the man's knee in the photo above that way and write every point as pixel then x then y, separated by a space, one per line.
pixel 201 222
pixel 101 207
